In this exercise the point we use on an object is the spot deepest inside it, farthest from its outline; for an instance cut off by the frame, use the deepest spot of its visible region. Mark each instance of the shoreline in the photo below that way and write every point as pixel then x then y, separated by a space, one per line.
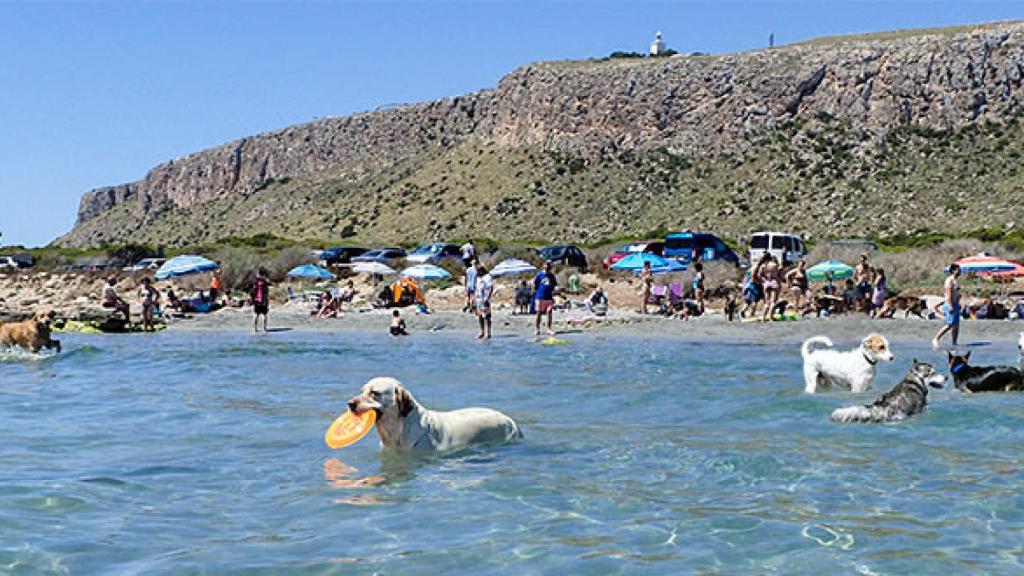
pixel 619 323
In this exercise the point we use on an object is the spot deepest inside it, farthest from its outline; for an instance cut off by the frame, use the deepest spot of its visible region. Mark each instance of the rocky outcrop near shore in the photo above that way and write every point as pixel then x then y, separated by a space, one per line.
pixel 791 125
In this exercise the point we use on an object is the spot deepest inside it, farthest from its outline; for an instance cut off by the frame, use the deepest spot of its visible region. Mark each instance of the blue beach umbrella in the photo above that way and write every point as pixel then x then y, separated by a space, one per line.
pixel 820 272
pixel 512 267
pixel 183 266
pixel 635 263
pixel 426 272
pixel 310 271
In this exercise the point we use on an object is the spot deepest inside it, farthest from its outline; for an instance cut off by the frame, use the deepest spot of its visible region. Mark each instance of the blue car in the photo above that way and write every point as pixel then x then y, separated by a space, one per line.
pixel 683 245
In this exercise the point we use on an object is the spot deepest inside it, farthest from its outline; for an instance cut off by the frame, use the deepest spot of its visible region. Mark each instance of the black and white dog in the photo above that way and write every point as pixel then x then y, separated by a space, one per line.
pixel 906 399
pixel 984 378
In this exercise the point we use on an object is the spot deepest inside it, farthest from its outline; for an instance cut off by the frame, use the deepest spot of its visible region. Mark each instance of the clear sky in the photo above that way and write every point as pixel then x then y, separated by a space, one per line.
pixel 96 93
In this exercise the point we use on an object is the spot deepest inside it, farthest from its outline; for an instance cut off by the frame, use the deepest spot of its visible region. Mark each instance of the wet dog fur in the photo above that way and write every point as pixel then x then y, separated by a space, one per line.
pixel 907 398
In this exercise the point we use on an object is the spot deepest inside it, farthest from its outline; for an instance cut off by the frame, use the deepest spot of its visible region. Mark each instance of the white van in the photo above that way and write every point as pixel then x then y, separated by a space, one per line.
pixel 788 248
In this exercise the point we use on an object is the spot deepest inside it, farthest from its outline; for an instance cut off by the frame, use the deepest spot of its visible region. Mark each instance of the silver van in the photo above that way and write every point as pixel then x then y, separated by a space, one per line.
pixel 787 248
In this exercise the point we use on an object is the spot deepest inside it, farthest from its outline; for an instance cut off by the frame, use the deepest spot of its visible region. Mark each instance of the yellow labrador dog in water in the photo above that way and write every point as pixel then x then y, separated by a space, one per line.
pixel 403 423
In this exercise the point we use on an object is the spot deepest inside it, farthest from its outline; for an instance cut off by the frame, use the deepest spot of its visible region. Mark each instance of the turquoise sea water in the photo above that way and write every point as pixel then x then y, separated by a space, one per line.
pixel 203 453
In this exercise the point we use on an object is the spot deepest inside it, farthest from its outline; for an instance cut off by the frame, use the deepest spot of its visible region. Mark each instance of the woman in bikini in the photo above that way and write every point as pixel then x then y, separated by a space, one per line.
pixel 798 284
pixel 770 283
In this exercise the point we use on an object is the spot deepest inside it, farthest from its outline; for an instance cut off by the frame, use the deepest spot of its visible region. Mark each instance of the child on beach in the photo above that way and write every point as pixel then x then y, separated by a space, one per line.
pixel 260 294
pixel 397 327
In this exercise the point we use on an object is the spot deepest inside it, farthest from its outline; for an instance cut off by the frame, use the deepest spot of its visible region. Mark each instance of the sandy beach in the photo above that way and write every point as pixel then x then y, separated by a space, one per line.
pixel 842 329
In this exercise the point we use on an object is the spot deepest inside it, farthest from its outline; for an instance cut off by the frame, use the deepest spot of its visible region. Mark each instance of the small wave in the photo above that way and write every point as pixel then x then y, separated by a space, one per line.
pixel 15 354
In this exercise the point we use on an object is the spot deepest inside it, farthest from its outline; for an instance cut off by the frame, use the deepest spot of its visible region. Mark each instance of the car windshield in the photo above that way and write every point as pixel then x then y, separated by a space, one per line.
pixel 778 242
pixel 679 243
pixel 759 241
pixel 427 249
pixel 373 253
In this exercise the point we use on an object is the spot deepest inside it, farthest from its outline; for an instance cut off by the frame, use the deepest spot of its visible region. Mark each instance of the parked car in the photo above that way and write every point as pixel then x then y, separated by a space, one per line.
pixel 146 264
pixel 788 248
pixel 648 246
pixel 564 254
pixel 7 264
pixel 340 255
pixel 684 245
pixel 382 255
pixel 434 252
pixel 24 260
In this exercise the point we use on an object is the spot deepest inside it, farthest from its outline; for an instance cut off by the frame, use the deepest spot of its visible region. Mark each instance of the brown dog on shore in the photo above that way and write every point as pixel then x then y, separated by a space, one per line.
pixel 32 334
pixel 909 305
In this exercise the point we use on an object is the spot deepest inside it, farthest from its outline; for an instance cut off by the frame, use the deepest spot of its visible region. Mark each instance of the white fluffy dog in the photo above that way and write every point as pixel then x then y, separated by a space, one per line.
pixel 403 423
pixel 853 370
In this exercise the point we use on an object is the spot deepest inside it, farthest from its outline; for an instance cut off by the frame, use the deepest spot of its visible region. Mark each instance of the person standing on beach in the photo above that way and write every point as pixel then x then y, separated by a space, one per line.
pixel 216 288
pixel 950 306
pixel 799 286
pixel 698 285
pixel 468 253
pixel 862 278
pixel 260 299
pixel 484 292
pixel 647 280
pixel 880 292
pixel 149 298
pixel 770 282
pixel 544 285
pixel 470 287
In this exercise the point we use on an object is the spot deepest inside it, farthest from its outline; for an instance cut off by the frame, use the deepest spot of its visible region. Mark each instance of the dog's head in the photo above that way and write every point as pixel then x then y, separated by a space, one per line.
pixel 876 347
pixel 43 317
pixel 958 362
pixel 926 372
pixel 384 395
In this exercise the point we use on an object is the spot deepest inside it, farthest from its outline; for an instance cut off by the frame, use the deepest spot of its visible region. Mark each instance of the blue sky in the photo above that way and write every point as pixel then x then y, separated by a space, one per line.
pixel 96 93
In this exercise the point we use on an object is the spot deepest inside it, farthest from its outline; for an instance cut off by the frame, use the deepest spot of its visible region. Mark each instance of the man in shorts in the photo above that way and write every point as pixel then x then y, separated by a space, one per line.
pixel 950 306
pixel 484 292
pixel 544 285
pixel 862 277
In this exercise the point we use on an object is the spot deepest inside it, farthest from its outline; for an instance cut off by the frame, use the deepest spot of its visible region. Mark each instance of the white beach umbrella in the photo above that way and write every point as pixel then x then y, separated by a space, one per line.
pixel 426 272
pixel 512 267
pixel 373 268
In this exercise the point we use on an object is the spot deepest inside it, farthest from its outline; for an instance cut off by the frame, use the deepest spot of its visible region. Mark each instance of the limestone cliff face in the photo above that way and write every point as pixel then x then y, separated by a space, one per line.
pixel 350 147
pixel 697 106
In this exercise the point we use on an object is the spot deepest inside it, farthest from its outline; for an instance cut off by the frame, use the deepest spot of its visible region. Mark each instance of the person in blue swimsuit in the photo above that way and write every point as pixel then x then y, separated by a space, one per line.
pixel 698 285
pixel 544 285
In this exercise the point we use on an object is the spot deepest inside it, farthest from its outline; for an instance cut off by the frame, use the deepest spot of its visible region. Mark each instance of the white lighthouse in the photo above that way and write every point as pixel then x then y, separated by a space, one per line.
pixel 658 46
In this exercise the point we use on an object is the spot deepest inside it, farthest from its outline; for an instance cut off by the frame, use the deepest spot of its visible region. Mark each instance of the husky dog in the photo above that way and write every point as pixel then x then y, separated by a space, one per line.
pixel 906 399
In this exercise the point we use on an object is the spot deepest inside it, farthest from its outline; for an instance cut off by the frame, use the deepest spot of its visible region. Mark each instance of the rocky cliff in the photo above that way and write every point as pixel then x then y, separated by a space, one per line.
pixel 816 134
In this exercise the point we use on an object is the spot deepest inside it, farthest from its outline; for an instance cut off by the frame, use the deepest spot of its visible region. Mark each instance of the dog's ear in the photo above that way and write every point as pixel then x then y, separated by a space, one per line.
pixel 967 357
pixel 949 355
pixel 404 401
pixel 914 361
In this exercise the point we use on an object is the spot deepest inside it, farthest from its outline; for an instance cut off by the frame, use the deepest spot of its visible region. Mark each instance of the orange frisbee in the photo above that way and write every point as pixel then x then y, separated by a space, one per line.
pixel 348 428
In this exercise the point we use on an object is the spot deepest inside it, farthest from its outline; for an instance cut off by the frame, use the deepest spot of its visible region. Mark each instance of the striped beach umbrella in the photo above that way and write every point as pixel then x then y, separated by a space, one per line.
pixel 982 264
pixel 183 266
pixel 829 270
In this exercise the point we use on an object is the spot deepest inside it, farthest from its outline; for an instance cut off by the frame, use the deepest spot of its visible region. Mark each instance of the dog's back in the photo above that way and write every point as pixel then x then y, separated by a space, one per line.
pixel 989 379
pixel 906 399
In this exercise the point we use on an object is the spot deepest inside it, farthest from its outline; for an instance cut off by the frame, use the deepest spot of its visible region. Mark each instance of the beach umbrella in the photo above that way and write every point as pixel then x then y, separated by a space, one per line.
pixel 310 271
pixel 1015 272
pixel 984 265
pixel 635 263
pixel 426 272
pixel 829 270
pixel 183 266
pixel 512 267
pixel 375 268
